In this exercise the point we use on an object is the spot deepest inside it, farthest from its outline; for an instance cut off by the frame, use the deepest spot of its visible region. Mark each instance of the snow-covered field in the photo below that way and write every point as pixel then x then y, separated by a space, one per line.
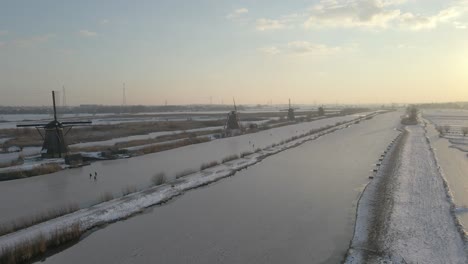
pixel 406 214
pixel 453 162
pixel 26 152
pixel 153 135
pixel 123 207
pixel 455 119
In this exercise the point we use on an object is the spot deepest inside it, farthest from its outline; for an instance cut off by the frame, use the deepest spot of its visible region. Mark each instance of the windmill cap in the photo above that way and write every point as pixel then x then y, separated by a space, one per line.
pixel 53 124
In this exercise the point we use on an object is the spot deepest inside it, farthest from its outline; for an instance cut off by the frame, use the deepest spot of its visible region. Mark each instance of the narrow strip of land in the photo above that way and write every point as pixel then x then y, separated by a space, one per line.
pixel 405 214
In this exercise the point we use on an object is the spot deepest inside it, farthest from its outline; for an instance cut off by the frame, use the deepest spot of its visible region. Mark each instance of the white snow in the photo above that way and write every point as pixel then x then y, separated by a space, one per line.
pixel 135 148
pixel 420 227
pixel 153 135
pixel 125 206
pixel 3 140
pixel 33 163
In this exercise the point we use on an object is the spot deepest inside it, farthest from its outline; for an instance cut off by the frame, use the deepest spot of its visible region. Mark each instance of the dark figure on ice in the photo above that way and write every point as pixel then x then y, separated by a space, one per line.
pixel 90 176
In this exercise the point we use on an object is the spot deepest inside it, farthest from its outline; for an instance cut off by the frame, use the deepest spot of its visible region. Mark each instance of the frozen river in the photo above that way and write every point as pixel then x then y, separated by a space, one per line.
pixel 294 207
pixel 26 197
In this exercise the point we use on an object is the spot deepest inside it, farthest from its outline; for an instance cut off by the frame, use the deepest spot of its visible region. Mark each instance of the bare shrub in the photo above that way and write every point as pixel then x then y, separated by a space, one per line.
pixel 245 153
pixel 446 129
pixel 208 165
pixel 106 197
pixel 181 143
pixel 28 250
pixel 184 173
pixel 465 131
pixel 229 158
pixel 128 190
pixel 159 179
pixel 38 170
pixel 39 218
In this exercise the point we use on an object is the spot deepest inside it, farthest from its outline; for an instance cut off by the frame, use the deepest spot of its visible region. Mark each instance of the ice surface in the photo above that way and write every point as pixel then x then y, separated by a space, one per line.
pixel 123 207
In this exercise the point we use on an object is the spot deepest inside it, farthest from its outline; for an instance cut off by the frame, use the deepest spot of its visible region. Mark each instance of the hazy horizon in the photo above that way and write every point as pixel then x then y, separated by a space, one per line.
pixel 186 52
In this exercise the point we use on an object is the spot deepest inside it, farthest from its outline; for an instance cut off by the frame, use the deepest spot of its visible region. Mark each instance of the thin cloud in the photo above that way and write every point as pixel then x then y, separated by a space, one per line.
pixel 351 14
pixel 271 50
pixel 32 41
pixel 376 14
pixel 284 22
pixel 308 48
pixel 460 25
pixel 304 48
pixel 104 21
pixel 405 46
pixel 3 32
pixel 87 33
pixel 264 24
pixel 419 22
pixel 237 14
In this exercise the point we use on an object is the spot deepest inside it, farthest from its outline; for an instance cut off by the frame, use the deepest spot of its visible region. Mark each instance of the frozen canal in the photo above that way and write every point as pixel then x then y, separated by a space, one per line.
pixel 26 197
pixel 294 207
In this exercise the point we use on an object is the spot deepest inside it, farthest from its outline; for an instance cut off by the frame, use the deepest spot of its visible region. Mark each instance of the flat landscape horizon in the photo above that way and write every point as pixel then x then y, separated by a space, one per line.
pixel 318 131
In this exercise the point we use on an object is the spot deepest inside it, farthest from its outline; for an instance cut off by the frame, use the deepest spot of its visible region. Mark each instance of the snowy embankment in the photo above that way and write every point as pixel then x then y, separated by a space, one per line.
pixel 149 136
pixel 406 214
pixel 32 164
pixel 128 205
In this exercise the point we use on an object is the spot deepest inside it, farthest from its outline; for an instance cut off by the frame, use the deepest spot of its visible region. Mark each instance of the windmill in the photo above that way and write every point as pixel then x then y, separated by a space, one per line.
pixel 54 145
pixel 321 111
pixel 232 126
pixel 290 110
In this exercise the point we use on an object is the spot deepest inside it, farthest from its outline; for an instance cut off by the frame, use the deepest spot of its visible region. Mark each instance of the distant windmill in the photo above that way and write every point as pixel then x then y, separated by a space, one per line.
pixel 232 126
pixel 321 111
pixel 54 145
pixel 291 116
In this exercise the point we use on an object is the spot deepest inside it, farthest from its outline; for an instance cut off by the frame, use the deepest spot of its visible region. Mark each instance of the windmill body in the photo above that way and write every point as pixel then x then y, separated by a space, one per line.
pixel 291 116
pixel 54 145
pixel 321 111
pixel 232 121
pixel 232 126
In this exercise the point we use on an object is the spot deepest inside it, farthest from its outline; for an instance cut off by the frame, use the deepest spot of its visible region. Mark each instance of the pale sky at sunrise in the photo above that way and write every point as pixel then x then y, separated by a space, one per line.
pixel 324 51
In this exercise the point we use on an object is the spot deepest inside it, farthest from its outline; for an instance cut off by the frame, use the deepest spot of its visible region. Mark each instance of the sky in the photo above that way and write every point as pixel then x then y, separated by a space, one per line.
pixel 194 52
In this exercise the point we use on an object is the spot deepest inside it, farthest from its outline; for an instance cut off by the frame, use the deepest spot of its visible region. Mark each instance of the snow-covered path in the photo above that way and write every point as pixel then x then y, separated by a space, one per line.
pixel 405 214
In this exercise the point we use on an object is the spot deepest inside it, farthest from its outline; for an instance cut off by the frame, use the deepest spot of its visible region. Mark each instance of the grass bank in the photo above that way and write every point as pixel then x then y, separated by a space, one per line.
pixel 35 171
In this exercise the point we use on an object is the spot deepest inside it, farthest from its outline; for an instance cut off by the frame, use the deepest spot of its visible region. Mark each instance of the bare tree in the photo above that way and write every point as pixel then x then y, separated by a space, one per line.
pixel 446 129
pixel 440 130
pixel 465 131
pixel 321 111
